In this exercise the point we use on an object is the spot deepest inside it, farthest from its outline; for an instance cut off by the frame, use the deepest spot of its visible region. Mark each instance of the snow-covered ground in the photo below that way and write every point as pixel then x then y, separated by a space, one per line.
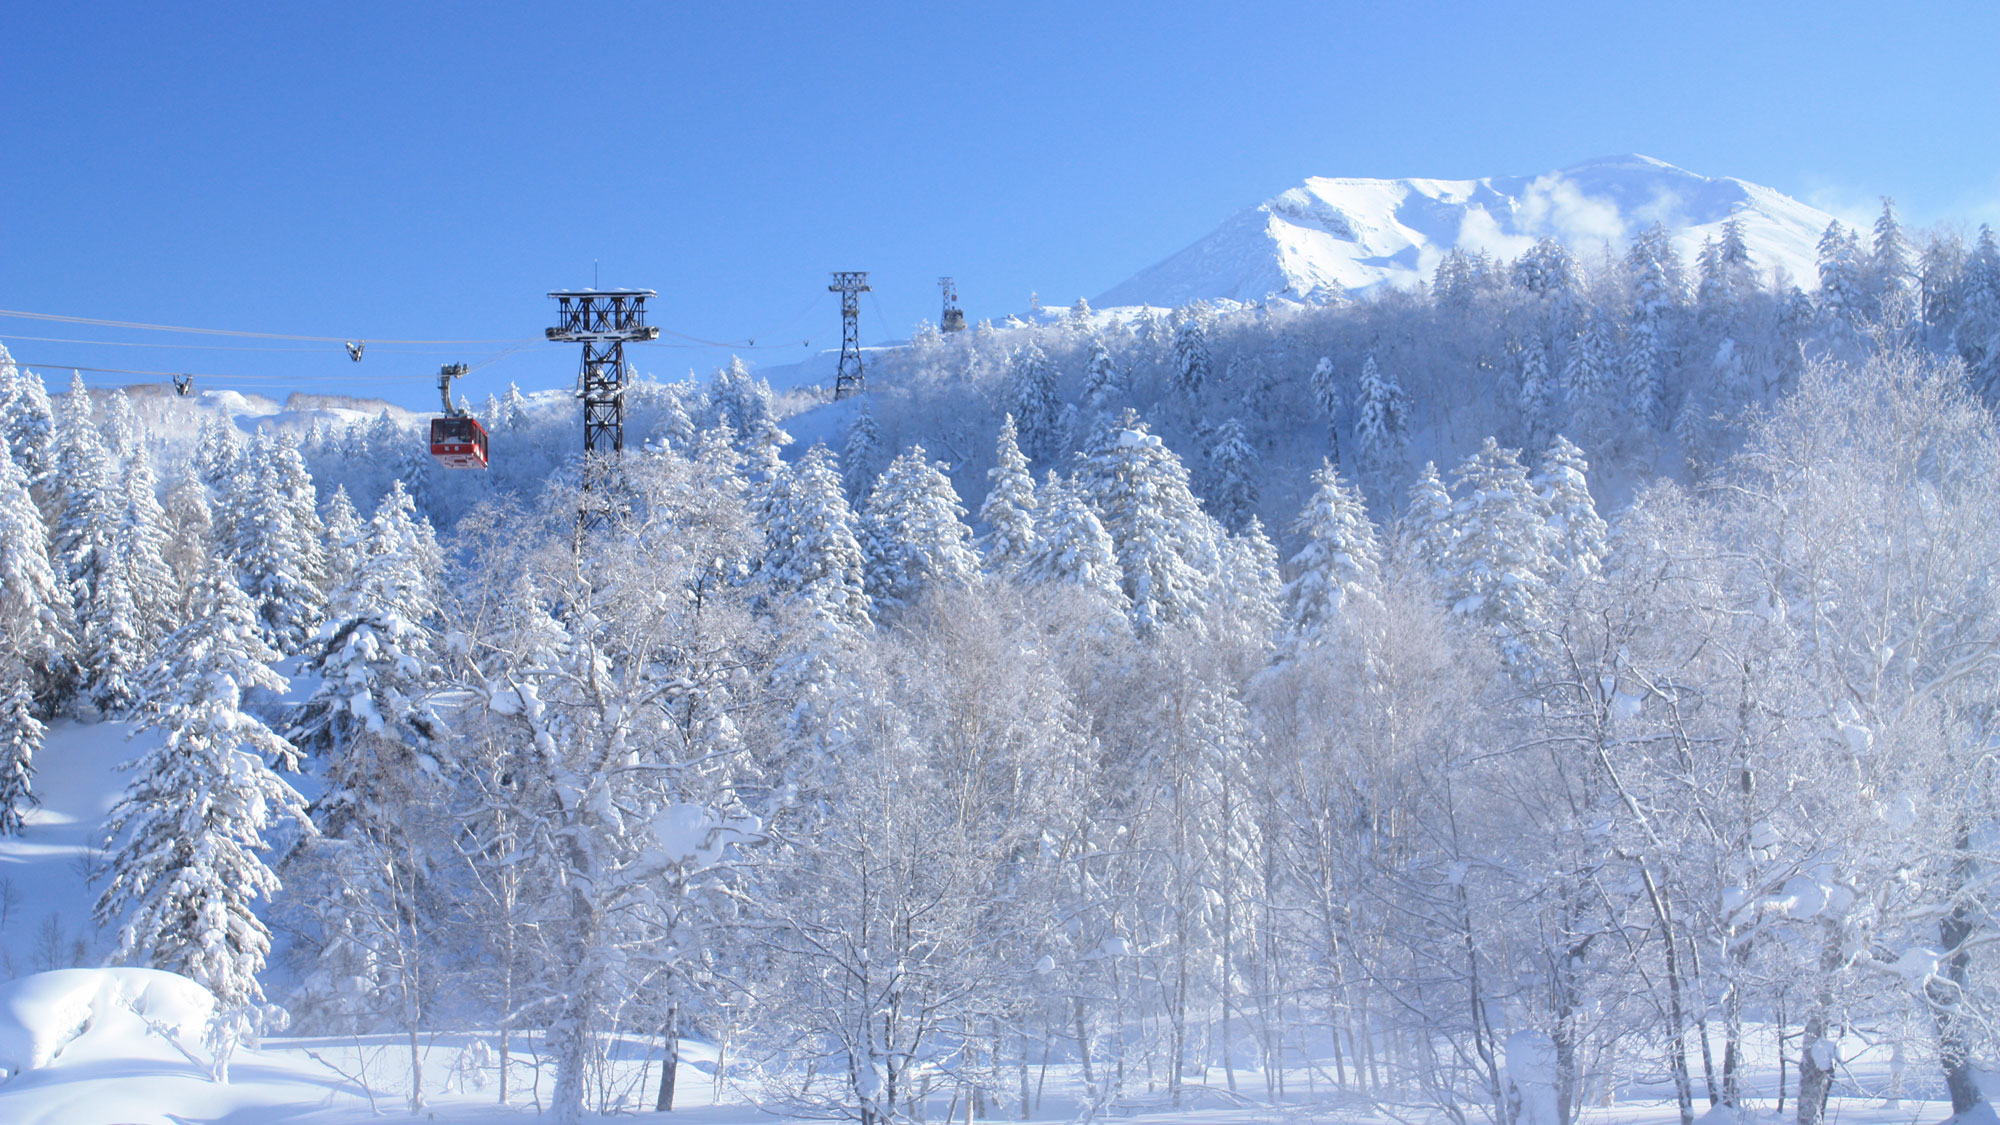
pixel 90 1045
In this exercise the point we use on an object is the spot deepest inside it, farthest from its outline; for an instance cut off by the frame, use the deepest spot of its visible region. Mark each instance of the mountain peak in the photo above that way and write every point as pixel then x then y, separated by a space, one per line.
pixel 1328 237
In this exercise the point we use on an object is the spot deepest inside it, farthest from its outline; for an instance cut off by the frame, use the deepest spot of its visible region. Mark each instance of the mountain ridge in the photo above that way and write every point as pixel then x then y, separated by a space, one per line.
pixel 1328 238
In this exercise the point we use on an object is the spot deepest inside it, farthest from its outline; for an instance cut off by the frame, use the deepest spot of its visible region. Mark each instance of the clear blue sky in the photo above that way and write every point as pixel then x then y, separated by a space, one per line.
pixel 431 171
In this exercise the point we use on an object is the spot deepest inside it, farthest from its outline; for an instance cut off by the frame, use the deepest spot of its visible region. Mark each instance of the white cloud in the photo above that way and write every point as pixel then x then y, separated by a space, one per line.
pixel 1558 208
pixel 1480 231
pixel 1666 208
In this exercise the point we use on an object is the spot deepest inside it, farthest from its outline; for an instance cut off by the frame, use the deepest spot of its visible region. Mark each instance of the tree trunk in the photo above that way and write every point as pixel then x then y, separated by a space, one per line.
pixel 1946 995
pixel 1816 1059
pixel 670 1060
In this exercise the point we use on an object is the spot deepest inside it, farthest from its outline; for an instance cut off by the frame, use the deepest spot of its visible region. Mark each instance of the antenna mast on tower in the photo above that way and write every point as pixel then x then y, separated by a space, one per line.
pixel 602 320
pixel 954 317
pixel 850 284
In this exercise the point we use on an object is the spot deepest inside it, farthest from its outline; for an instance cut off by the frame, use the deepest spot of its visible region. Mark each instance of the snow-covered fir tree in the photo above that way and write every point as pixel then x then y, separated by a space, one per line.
pixel 811 552
pixel 1192 359
pixel 1340 561
pixel 913 533
pixel 216 451
pixel 35 610
pixel 30 422
pixel 1843 282
pixel 1381 420
pixel 1166 545
pixel 1071 547
pixel 1233 471
pixel 190 527
pixel 140 546
pixel 861 456
pixel 278 552
pixel 1326 395
pixel 1892 273
pixel 1582 541
pixel 345 538
pixel 1032 389
pixel 1425 530
pixel 1103 381
pixel 21 736
pixel 371 730
pixel 1537 386
pixel 1009 509
pixel 1586 379
pixel 1502 555
pixel 183 868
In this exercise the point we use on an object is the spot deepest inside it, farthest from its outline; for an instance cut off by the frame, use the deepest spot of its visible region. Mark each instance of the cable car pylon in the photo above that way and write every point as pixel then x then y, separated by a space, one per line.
pixel 850 284
pixel 602 320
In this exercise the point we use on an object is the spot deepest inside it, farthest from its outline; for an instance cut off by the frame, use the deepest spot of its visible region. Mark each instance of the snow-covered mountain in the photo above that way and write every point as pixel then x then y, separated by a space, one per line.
pixel 1327 237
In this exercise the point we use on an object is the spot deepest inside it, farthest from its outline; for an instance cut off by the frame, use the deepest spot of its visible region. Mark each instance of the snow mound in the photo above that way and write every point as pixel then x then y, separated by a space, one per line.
pixel 99 1011
pixel 1329 237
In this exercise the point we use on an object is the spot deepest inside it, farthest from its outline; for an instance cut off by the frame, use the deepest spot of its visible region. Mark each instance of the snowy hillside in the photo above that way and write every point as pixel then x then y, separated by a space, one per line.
pixel 1327 237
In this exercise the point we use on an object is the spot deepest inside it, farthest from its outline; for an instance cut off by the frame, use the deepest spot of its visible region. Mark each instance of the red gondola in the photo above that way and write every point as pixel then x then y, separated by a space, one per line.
pixel 458 442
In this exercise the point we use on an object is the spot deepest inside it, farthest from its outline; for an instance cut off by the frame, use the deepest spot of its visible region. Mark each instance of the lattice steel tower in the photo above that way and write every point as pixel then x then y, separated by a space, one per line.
pixel 602 320
pixel 954 317
pixel 850 284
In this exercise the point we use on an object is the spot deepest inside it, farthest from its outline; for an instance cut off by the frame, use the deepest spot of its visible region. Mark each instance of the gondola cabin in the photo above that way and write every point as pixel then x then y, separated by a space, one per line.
pixel 458 442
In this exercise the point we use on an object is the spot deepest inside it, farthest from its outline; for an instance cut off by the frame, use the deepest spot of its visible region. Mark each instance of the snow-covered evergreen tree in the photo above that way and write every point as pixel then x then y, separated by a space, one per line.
pixel 913 534
pixel 216 450
pixel 1582 541
pixel 1586 378
pixel 1340 561
pixel 1381 421
pixel 183 867
pixel 371 728
pixel 1976 334
pixel 35 609
pixel 1103 382
pixel 1326 393
pixel 280 559
pixel 1192 359
pixel 140 548
pixel 190 536
pixel 1502 555
pixel 21 735
pixel 1425 530
pixel 120 426
pixel 1843 284
pixel 1537 387
pixel 29 422
pixel 811 551
pixel 1071 547
pixel 861 457
pixel 1009 508
pixel 1232 473
pixel 1166 545
pixel 345 539
pixel 1032 390
pixel 513 410
pixel 1892 273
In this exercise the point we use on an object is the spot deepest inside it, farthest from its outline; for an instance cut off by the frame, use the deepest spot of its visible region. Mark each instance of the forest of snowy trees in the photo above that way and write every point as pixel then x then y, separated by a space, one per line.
pixel 1288 716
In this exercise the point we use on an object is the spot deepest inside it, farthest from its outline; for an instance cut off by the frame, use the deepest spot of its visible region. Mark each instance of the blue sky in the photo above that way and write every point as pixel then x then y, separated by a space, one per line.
pixel 431 171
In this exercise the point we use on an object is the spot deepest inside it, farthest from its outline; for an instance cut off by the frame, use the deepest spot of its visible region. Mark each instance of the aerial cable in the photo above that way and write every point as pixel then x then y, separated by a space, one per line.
pixel 17 314
pixel 201 347
pixel 145 344
pixel 19 362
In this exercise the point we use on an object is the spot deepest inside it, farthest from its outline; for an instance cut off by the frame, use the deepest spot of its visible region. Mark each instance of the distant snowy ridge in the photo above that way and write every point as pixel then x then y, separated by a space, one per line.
pixel 1332 237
